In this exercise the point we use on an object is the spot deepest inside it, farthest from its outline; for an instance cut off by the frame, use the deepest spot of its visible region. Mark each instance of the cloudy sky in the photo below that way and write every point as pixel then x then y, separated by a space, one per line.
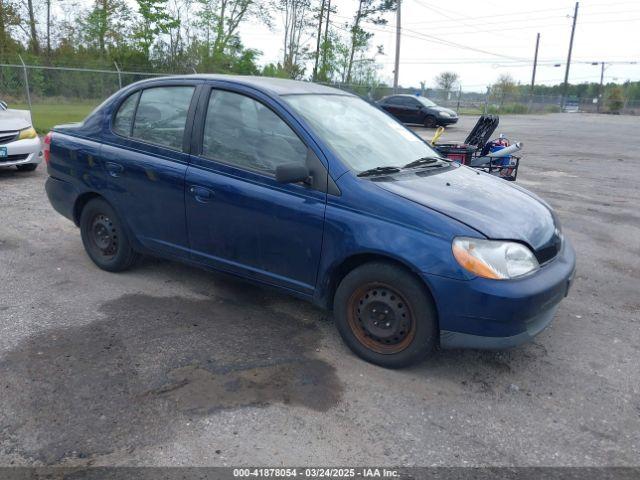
pixel 480 39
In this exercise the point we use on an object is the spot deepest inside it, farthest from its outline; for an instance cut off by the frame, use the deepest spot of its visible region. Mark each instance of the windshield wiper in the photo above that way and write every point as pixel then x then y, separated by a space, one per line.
pixel 421 161
pixel 378 170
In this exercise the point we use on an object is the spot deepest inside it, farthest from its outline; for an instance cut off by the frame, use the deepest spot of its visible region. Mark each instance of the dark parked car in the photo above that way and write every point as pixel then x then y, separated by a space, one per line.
pixel 318 193
pixel 419 110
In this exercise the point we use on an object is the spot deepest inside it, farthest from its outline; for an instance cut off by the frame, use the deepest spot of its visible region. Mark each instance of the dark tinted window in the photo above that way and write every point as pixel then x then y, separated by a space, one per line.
pixel 162 115
pixel 407 102
pixel 124 117
pixel 241 131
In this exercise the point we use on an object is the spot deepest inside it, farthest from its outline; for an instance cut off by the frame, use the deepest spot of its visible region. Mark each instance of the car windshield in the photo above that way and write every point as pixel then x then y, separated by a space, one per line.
pixel 426 102
pixel 360 134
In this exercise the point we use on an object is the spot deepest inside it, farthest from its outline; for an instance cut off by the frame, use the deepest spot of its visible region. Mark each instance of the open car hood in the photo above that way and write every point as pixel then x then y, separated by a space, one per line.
pixel 488 204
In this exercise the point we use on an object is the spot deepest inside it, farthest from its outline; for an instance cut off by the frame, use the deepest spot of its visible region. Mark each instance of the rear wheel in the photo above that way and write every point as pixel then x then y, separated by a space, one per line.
pixel 104 237
pixel 27 167
pixel 430 121
pixel 385 316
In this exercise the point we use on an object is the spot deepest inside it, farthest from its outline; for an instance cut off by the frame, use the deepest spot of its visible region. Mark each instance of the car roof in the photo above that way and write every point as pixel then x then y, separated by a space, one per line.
pixel 407 95
pixel 276 86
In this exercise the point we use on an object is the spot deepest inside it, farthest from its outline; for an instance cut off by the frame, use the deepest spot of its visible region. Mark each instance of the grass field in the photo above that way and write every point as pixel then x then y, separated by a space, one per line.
pixel 46 116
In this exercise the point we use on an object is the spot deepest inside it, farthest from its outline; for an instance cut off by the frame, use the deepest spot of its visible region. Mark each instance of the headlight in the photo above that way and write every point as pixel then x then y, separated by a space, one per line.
pixel 495 259
pixel 444 114
pixel 27 133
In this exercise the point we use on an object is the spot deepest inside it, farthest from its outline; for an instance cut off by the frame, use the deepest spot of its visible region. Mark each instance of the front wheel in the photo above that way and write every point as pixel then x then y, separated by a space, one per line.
pixel 384 314
pixel 104 237
pixel 430 121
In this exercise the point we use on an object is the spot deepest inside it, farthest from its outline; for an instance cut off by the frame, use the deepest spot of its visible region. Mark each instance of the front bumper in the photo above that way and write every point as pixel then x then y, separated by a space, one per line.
pixel 20 152
pixel 484 313
pixel 447 120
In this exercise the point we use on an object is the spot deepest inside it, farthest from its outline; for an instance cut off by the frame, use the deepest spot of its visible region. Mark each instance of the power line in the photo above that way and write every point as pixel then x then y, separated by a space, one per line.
pixel 447 30
pixel 431 38
pixel 457 19
pixel 544 14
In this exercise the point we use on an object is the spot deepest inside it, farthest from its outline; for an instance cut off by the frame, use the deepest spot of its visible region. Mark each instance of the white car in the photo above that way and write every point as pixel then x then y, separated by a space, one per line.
pixel 19 142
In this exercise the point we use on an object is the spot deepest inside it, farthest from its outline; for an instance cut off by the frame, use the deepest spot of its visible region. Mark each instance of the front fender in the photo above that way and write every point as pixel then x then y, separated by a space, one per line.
pixel 386 226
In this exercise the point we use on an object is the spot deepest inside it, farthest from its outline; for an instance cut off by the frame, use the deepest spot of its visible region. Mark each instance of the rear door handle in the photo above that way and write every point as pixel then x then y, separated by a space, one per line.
pixel 114 169
pixel 201 194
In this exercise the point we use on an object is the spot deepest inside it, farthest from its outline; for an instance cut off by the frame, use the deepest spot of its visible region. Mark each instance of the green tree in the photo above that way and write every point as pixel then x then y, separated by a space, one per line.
pixel 615 99
pixel 504 86
pixel 105 25
pixel 446 81
pixel 154 21
pixel 370 11
pixel 298 19
pixel 220 21
pixel 9 19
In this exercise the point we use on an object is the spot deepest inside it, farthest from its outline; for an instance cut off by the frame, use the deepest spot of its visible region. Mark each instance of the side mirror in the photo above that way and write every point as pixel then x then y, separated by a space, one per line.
pixel 292 173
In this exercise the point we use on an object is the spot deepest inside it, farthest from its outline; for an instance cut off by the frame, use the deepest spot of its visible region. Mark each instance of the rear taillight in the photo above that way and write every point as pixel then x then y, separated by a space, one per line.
pixel 47 147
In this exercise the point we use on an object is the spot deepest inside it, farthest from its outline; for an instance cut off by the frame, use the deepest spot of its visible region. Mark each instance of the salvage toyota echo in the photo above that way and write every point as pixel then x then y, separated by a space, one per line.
pixel 316 192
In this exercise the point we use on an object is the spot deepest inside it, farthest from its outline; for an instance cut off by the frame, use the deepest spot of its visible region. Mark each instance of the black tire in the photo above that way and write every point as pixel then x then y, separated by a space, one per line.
pixel 430 121
pixel 104 237
pixel 27 167
pixel 405 329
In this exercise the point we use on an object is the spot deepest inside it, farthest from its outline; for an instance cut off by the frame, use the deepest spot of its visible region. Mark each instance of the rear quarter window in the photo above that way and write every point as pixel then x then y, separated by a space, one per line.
pixel 124 118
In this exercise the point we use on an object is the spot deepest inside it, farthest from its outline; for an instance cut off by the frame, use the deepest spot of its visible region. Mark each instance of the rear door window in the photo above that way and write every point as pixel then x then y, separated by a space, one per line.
pixel 161 115
pixel 124 118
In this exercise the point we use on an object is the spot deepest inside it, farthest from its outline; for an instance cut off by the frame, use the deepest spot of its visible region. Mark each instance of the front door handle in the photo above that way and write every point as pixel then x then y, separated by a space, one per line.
pixel 114 169
pixel 201 194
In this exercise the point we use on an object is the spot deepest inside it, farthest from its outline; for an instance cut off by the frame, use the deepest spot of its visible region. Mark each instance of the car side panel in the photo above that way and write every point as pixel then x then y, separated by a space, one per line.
pixel 150 190
pixel 385 225
pixel 76 161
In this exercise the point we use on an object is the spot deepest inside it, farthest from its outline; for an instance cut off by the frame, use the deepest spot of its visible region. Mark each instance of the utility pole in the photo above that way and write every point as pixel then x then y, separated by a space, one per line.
pixel 320 18
pixel 396 72
pixel 600 87
pixel 566 73
pixel 535 64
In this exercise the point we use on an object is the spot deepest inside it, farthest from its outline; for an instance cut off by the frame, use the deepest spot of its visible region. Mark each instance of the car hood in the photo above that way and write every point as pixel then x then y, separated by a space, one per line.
pixel 443 109
pixel 14 120
pixel 488 204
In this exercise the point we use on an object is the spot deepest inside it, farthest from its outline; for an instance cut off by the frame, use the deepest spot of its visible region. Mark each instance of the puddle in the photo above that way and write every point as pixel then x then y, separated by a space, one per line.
pixel 145 364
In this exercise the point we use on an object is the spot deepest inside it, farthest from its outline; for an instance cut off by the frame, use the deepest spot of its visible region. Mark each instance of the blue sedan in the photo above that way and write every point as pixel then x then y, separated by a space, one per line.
pixel 313 191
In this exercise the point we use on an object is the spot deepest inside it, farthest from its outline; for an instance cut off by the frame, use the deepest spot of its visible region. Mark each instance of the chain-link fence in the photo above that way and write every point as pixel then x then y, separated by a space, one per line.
pixel 476 102
pixel 60 94
pixel 63 94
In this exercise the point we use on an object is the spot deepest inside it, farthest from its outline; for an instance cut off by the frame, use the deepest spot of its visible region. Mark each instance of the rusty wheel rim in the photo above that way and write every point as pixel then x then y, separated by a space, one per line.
pixel 380 318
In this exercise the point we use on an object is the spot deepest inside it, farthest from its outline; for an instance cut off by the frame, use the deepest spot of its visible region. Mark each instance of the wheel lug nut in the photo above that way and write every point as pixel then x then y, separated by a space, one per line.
pixel 388 324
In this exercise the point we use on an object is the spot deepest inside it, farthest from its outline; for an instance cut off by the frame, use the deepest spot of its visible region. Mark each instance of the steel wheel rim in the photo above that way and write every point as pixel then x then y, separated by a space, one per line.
pixel 103 236
pixel 380 318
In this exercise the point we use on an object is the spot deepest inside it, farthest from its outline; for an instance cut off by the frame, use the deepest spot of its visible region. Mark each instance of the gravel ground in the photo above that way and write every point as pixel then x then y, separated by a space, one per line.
pixel 171 365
